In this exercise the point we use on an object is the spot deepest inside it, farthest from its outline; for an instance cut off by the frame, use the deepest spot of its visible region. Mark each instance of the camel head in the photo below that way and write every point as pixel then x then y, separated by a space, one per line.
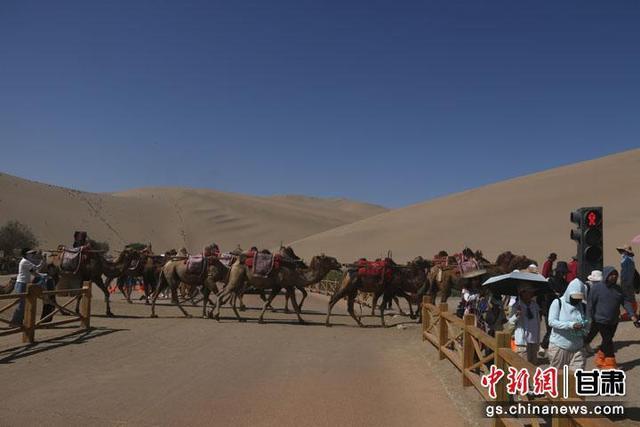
pixel 323 262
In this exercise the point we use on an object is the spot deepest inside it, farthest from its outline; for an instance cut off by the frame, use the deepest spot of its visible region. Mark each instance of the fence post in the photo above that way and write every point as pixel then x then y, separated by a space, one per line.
pixel 571 393
pixel 443 330
pixel 30 307
pixel 85 305
pixel 467 348
pixel 503 340
pixel 426 316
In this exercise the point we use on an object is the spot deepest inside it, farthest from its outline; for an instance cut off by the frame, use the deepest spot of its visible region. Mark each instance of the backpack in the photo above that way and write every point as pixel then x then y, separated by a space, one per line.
pixel 636 281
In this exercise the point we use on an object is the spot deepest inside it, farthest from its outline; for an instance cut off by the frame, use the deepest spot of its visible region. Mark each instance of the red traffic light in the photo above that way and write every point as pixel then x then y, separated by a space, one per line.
pixel 592 218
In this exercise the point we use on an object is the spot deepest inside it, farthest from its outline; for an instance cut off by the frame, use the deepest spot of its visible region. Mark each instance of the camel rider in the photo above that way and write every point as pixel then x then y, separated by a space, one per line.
pixel 80 239
pixel 31 262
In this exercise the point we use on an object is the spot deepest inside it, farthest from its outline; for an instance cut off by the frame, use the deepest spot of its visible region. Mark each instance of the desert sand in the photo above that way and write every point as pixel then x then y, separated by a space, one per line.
pixel 527 215
pixel 171 217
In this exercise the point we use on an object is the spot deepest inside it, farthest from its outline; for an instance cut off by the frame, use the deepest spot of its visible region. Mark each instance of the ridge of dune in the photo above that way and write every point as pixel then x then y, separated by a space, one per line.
pixel 170 217
pixel 528 214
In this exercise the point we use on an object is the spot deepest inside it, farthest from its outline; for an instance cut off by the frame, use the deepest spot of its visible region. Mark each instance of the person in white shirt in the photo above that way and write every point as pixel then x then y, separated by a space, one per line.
pixel 525 316
pixel 29 265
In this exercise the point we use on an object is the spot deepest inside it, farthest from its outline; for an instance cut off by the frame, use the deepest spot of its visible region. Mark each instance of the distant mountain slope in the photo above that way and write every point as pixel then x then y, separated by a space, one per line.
pixel 526 215
pixel 171 217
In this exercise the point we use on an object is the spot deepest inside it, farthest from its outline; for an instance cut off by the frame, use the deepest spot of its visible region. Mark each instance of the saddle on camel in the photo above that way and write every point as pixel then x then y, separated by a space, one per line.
pixel 197 264
pixel 383 269
pixel 262 263
pixel 71 259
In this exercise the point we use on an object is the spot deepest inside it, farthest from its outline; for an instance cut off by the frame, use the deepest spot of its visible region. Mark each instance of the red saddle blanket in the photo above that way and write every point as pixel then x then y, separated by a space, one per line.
pixel 196 264
pixel 380 268
pixel 262 264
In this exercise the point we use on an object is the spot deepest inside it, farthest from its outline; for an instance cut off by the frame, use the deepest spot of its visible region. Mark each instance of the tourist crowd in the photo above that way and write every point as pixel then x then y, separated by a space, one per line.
pixel 573 312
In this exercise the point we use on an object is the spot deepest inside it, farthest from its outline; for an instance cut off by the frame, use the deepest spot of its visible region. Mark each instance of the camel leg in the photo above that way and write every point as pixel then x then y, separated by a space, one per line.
pixel 241 298
pixel 174 292
pixel 397 301
pixel 304 296
pixel 205 299
pixel 274 291
pixel 385 300
pixel 340 293
pixel 105 290
pixel 374 303
pixel 292 295
pixel 286 303
pixel 351 299
pixel 229 289
pixel 163 283
pixel 234 299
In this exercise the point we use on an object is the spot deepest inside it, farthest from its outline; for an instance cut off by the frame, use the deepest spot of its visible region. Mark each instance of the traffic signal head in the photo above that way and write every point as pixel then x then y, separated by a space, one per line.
pixel 589 238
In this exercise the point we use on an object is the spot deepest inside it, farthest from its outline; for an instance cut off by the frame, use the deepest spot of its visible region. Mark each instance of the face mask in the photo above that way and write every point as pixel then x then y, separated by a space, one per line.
pixel 574 301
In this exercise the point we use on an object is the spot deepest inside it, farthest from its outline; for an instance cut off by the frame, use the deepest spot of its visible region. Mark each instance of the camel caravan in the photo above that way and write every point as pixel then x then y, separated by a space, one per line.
pixel 218 279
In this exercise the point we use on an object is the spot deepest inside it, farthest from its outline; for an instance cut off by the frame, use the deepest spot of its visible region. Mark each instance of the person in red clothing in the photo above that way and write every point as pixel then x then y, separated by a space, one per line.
pixel 573 269
pixel 547 267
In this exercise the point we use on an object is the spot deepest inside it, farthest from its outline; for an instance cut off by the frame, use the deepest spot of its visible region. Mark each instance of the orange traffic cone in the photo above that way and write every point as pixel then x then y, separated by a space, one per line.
pixel 610 363
pixel 599 359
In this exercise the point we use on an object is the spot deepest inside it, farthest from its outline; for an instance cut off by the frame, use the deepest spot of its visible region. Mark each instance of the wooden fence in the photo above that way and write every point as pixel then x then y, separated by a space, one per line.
pixel 328 287
pixel 472 351
pixel 31 297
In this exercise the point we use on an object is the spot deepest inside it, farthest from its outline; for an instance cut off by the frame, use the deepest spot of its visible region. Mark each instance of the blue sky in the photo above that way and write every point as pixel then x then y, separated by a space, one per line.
pixel 382 101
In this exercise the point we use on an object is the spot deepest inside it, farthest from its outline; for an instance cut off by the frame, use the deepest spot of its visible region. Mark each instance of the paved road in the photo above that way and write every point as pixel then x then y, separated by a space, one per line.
pixel 174 371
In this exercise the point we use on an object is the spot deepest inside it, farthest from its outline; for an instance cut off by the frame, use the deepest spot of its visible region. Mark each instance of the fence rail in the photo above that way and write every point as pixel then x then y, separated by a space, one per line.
pixel 31 297
pixel 472 351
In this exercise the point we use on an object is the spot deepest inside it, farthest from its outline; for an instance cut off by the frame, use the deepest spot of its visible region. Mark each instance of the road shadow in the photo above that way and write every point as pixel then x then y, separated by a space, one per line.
pixel 78 337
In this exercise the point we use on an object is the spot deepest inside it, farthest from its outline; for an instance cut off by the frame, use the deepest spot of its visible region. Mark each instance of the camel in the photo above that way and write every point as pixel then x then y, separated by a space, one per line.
pixel 287 276
pixel 352 283
pixel 443 280
pixel 410 283
pixel 174 272
pixel 91 270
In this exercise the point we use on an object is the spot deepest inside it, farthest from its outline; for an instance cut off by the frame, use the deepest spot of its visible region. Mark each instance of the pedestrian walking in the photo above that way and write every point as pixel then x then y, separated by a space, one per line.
pixel 627 272
pixel 569 322
pixel 547 267
pixel 558 285
pixel 525 317
pixel 604 302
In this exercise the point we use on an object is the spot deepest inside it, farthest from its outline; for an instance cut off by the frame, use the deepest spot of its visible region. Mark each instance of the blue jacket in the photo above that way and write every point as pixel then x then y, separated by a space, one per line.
pixel 563 316
pixel 605 301
pixel 627 270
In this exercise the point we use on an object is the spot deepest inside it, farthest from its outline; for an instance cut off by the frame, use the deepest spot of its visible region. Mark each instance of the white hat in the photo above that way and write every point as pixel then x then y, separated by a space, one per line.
pixel 595 276
pixel 532 268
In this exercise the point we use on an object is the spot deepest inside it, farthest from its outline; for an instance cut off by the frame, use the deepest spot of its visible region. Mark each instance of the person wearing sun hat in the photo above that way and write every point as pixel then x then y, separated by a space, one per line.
pixel 569 322
pixel 30 263
pixel 525 317
pixel 627 271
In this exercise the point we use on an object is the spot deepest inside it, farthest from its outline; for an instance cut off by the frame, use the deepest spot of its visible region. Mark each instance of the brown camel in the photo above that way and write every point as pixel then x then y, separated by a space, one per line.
pixel 92 268
pixel 287 276
pixel 174 273
pixel 352 283
pixel 409 283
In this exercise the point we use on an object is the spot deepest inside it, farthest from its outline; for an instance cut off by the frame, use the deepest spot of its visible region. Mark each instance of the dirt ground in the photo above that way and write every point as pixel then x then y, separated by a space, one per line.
pixel 133 370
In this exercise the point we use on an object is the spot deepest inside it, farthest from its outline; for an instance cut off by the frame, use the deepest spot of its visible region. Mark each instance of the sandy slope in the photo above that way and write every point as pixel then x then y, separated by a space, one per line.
pixel 171 217
pixel 526 215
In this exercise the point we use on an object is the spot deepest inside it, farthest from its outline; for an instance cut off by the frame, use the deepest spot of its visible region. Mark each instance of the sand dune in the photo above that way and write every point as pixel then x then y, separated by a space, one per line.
pixel 526 215
pixel 171 217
